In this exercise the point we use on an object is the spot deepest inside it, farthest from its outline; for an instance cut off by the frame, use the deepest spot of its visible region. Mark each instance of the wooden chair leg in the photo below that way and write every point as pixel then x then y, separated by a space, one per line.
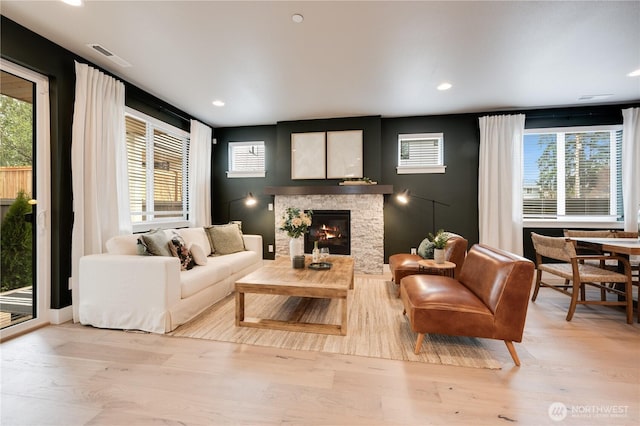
pixel 512 352
pixel 574 300
pixel 418 343
pixel 629 296
pixel 537 286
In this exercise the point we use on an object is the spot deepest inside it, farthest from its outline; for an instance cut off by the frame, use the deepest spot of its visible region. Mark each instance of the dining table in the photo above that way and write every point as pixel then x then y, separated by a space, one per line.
pixel 626 247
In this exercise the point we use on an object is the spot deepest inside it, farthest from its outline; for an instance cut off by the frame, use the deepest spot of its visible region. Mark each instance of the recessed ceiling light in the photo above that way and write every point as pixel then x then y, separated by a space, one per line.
pixel 73 2
pixel 635 73
pixel 297 18
pixel 218 103
pixel 445 86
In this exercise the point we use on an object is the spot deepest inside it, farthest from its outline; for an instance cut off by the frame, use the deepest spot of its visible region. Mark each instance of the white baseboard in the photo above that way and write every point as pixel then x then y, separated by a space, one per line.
pixel 58 316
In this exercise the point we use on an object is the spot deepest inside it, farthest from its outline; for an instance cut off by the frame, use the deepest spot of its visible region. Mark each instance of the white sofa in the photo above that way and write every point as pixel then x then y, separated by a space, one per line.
pixel 124 290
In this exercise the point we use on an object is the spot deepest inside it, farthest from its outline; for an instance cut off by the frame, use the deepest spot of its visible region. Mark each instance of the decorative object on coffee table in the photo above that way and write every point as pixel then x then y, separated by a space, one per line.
pixel 298 262
pixel 320 266
pixel 295 223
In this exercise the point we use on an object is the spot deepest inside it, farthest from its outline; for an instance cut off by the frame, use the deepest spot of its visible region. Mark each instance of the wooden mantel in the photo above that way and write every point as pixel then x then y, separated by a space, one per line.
pixel 327 189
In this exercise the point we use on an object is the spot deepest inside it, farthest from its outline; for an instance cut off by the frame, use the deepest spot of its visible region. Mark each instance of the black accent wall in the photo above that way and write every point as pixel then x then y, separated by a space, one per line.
pixel 405 225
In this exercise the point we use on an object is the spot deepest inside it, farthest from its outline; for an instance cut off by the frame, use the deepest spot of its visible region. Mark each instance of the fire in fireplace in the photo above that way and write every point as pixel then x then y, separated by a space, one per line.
pixel 332 229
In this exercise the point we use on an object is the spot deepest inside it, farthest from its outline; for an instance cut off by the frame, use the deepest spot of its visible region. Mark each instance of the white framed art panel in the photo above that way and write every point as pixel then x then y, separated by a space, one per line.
pixel 344 154
pixel 308 155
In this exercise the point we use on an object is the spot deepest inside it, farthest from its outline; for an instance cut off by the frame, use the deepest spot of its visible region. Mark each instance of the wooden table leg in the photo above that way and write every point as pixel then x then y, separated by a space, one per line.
pixel 345 315
pixel 239 308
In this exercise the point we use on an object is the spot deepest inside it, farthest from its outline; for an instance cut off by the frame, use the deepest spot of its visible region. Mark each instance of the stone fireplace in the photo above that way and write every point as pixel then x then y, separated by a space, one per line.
pixel 367 219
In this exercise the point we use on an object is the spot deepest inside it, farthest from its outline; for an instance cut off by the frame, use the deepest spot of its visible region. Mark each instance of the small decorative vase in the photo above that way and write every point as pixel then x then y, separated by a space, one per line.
pixel 315 254
pixel 438 255
pixel 296 247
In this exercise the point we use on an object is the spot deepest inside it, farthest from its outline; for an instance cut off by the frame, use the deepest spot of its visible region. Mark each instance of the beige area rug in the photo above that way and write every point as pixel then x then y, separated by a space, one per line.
pixel 376 328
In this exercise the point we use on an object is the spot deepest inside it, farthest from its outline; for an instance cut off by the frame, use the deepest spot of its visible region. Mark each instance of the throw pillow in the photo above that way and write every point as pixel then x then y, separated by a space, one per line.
pixel 180 250
pixel 425 249
pixel 142 248
pixel 226 239
pixel 198 254
pixel 157 242
pixel 208 230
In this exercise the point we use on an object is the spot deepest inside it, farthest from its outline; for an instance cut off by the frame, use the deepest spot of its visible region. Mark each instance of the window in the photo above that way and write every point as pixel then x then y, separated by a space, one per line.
pixel 246 159
pixel 420 153
pixel 573 174
pixel 157 164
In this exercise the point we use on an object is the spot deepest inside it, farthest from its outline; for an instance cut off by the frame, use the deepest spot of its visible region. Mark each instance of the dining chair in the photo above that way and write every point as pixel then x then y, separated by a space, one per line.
pixel 602 263
pixel 578 275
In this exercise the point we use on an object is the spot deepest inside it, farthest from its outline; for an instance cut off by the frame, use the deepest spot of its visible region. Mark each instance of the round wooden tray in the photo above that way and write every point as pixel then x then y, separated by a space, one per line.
pixel 319 266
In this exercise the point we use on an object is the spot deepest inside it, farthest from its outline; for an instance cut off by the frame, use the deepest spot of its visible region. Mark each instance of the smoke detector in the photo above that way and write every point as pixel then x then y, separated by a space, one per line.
pixel 109 55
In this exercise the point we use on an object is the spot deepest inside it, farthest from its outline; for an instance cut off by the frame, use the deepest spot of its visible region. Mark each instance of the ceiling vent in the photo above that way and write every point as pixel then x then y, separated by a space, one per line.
pixel 109 55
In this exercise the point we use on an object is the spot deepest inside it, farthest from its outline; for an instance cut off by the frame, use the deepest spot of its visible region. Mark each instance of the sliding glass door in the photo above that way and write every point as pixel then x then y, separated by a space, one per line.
pixel 23 280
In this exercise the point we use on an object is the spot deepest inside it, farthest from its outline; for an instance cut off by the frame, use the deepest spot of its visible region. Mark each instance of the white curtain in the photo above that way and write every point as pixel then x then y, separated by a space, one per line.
pixel 500 182
pixel 99 167
pixel 200 174
pixel 631 167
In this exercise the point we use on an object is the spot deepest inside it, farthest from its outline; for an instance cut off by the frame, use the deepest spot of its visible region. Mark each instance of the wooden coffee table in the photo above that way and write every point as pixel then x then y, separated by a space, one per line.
pixel 279 278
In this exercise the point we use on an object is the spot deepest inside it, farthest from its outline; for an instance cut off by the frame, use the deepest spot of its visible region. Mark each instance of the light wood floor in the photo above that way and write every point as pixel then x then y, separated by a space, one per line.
pixel 77 375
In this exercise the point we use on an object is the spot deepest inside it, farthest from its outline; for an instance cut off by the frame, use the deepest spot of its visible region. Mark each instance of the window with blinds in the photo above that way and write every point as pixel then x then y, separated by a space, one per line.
pixel 246 159
pixel 572 173
pixel 420 153
pixel 157 164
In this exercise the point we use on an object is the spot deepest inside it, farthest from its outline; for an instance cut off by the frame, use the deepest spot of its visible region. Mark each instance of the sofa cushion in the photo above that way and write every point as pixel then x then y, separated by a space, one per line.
pixel 201 277
pixel 237 261
pixel 196 236
pixel 198 254
pixel 225 239
pixel 157 242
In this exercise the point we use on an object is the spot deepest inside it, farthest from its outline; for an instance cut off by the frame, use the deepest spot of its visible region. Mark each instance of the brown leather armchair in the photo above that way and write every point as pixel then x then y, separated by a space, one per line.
pixel 489 299
pixel 404 264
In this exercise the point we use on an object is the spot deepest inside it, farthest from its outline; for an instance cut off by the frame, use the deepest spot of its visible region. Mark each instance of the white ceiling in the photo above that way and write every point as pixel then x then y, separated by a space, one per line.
pixel 353 58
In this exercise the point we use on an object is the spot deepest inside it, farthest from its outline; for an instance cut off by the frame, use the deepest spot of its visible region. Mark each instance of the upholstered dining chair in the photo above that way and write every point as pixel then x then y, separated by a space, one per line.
pixel 579 275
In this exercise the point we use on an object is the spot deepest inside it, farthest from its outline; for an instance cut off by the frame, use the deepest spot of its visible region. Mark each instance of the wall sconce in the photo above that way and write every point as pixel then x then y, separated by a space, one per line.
pixel 405 196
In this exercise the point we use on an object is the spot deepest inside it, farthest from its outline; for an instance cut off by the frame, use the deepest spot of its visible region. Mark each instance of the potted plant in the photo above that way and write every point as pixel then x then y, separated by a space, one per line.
pixel 439 243
pixel 295 223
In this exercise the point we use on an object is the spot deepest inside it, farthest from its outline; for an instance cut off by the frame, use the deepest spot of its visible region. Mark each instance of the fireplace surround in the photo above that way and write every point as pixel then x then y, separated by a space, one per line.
pixel 367 224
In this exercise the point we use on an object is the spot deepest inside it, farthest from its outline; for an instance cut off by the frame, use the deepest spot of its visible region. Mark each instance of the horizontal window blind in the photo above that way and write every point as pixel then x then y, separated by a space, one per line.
pixel 246 156
pixel 157 172
pixel 587 166
pixel 420 150
pixel 572 173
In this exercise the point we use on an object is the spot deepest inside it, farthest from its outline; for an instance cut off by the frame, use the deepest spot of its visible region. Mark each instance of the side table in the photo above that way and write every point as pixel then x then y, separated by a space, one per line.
pixel 431 267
